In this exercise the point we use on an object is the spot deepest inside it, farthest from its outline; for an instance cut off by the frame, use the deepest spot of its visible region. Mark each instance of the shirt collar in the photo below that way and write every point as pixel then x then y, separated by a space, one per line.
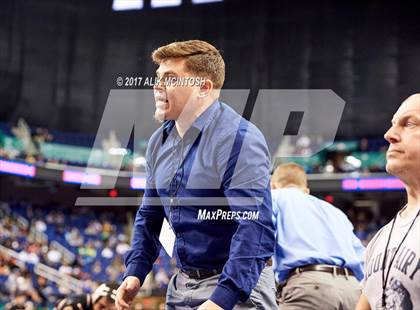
pixel 206 116
pixel 199 123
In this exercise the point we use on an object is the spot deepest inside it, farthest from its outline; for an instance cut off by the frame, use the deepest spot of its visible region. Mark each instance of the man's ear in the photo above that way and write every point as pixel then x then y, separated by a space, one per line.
pixel 206 86
pixel 307 190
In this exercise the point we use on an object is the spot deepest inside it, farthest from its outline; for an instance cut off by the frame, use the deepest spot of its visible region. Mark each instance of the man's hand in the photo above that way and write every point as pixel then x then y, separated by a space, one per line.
pixel 126 292
pixel 209 305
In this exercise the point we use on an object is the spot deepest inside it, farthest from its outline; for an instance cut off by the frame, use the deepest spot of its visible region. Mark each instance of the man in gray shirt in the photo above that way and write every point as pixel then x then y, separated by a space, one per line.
pixel 392 275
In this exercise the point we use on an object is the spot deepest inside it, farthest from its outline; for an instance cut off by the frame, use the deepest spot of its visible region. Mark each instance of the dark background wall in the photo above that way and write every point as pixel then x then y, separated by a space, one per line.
pixel 59 59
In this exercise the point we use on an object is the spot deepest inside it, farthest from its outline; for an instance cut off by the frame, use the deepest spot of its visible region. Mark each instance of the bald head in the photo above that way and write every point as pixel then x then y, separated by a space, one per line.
pixel 403 156
pixel 414 98
pixel 412 103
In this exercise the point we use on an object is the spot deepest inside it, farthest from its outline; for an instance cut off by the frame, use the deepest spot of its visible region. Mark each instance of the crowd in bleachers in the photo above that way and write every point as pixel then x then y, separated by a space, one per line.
pixel 94 245
pixel 21 288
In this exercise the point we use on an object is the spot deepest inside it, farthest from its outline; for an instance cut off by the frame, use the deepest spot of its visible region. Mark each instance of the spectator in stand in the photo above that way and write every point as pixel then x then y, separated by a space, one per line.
pixel 94 228
pixel 97 272
pixel 20 302
pixel 122 246
pixel 107 229
pixel 74 238
pixel 65 268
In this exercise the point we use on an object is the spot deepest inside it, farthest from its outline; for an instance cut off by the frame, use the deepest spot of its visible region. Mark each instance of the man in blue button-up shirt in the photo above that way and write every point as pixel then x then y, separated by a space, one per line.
pixel 318 259
pixel 208 175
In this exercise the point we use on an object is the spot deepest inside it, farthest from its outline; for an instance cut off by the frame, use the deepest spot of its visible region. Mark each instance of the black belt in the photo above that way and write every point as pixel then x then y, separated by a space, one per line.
pixel 322 268
pixel 199 274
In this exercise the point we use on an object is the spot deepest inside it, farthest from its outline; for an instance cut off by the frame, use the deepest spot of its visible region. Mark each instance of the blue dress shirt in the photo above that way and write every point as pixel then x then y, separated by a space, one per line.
pixel 312 231
pixel 222 162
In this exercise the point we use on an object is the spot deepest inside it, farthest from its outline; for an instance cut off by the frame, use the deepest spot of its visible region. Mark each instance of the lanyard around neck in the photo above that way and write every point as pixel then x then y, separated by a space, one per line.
pixel 385 275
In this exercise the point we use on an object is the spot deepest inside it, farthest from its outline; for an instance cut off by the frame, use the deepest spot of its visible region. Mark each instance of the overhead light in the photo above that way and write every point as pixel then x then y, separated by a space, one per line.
pixel 205 1
pixel 165 3
pixel 125 5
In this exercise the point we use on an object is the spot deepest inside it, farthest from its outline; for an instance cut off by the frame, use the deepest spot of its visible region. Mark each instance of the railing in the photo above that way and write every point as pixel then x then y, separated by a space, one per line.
pixel 47 272
pixel 67 255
